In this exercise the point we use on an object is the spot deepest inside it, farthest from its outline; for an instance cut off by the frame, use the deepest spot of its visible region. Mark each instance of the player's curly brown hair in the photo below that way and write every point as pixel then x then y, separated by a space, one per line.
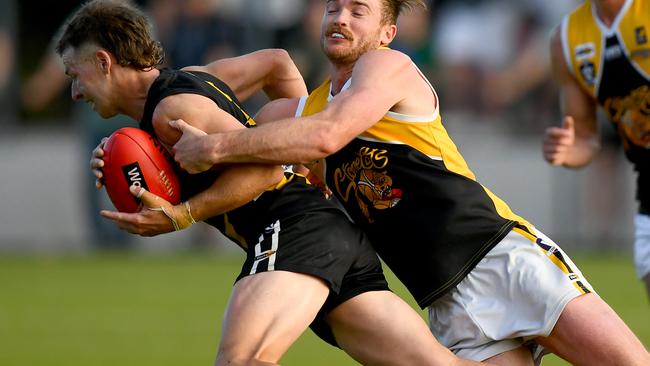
pixel 119 27
pixel 393 8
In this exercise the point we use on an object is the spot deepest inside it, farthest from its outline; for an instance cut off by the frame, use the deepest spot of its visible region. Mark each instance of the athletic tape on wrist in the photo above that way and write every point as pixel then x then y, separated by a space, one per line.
pixel 189 212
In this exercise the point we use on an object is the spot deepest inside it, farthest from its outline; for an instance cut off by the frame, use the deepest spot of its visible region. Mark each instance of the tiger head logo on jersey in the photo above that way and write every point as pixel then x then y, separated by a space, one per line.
pixel 632 115
pixel 376 189
pixel 367 177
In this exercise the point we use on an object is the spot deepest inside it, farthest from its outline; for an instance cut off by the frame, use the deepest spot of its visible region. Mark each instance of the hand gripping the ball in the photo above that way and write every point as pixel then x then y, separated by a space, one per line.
pixel 157 215
pixel 97 163
pixel 180 215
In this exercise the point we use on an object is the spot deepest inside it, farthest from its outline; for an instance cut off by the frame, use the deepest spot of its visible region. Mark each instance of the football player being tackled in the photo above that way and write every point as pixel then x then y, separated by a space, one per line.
pixel 306 264
pixel 495 286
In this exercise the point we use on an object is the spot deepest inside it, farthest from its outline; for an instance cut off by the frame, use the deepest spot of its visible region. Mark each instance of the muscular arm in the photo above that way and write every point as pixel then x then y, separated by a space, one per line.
pixel 380 81
pixel 271 70
pixel 236 185
pixel 560 148
pixel 286 108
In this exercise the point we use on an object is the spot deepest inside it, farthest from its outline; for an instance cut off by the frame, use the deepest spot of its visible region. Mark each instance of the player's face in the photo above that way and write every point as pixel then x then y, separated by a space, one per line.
pixel 89 83
pixel 350 28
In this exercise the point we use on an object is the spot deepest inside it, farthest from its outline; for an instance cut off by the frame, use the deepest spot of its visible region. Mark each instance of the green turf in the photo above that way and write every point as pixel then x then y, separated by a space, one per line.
pixel 166 310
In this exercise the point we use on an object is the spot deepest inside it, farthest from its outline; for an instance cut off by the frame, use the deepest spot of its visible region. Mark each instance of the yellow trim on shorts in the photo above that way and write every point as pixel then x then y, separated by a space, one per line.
pixel 525 234
pixel 553 258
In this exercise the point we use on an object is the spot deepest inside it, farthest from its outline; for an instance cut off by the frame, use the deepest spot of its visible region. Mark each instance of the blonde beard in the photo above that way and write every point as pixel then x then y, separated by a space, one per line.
pixel 349 57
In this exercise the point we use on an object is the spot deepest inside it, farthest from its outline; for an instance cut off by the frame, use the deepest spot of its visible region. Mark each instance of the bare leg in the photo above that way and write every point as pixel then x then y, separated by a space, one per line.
pixel 267 312
pixel 517 357
pixel 589 332
pixel 379 328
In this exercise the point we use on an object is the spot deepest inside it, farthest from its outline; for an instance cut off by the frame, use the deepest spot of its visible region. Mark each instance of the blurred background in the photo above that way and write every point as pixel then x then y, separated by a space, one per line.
pixel 74 290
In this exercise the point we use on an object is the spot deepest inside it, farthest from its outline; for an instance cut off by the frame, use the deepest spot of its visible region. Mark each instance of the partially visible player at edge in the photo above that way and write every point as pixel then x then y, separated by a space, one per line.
pixel 601 56
pixel 305 261
pixel 496 288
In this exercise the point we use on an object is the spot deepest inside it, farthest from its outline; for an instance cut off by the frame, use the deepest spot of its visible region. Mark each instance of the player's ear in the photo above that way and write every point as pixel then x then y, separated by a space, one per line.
pixel 104 60
pixel 388 33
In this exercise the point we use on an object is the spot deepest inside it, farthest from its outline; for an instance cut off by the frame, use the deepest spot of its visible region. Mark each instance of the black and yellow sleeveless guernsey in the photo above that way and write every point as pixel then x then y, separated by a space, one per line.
pixel 405 183
pixel 292 227
pixel 612 64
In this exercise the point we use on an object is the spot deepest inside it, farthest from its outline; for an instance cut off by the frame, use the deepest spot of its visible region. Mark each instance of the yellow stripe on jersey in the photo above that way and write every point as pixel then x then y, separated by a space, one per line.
pixel 249 120
pixel 504 210
pixel 635 33
pixel 417 135
pixel 451 157
pixel 285 180
pixel 229 231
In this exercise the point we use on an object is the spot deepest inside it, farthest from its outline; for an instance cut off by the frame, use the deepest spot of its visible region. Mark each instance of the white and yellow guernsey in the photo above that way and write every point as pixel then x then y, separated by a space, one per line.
pixel 405 183
pixel 612 64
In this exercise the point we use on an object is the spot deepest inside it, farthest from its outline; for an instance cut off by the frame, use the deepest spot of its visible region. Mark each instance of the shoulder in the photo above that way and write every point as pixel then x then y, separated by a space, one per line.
pixel 384 67
pixel 382 64
pixel 194 68
pixel 384 57
pixel 182 105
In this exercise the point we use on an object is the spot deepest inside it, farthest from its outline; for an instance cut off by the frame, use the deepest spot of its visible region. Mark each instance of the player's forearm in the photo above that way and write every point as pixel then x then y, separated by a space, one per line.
pixel 234 188
pixel 283 142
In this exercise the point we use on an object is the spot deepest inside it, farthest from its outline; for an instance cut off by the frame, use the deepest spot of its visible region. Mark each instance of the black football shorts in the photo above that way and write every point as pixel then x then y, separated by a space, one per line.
pixel 322 243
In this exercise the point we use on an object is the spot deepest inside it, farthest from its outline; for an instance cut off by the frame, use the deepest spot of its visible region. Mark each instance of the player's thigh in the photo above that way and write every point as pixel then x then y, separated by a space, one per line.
pixel 379 328
pixel 589 332
pixel 267 312
pixel 519 356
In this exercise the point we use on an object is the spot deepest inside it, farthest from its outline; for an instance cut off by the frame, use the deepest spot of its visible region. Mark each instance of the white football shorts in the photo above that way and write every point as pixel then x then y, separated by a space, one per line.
pixel 642 245
pixel 515 294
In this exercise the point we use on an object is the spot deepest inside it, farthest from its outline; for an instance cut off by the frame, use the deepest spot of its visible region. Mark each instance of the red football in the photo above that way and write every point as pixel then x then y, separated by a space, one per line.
pixel 134 157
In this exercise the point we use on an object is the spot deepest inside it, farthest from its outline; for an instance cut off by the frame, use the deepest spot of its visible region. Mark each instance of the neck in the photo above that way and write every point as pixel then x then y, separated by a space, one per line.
pixel 340 74
pixel 607 10
pixel 136 85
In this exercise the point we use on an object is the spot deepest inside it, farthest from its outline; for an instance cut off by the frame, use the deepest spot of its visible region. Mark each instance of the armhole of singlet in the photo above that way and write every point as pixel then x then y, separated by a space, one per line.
pixel 436 99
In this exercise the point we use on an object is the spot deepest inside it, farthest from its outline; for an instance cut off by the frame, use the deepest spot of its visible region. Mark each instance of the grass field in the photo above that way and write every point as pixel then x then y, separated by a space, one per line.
pixel 166 310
